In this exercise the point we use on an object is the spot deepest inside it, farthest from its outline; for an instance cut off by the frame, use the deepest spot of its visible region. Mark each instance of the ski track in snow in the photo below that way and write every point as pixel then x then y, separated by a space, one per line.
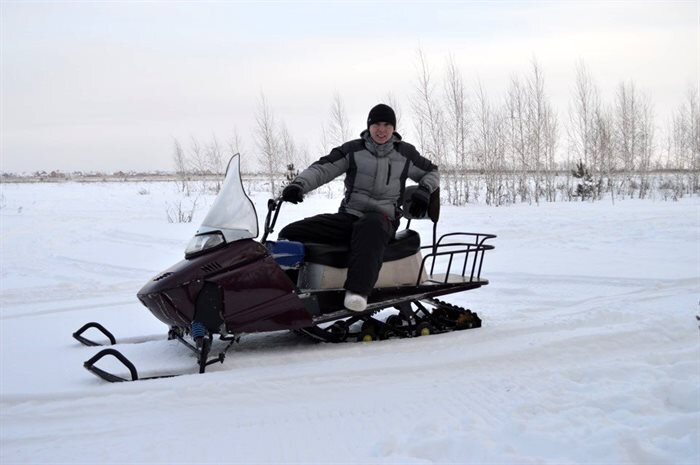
pixel 589 352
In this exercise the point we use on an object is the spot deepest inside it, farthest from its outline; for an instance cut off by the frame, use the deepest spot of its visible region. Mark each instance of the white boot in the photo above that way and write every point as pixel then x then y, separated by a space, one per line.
pixel 355 302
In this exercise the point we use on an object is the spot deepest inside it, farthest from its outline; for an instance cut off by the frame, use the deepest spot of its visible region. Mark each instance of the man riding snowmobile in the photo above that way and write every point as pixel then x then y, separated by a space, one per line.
pixel 376 167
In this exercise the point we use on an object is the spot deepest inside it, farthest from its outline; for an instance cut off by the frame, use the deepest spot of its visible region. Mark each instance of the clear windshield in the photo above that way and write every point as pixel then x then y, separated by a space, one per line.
pixel 232 213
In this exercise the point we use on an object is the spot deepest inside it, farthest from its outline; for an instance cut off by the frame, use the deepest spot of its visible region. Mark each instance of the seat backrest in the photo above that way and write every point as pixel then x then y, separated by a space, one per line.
pixel 433 212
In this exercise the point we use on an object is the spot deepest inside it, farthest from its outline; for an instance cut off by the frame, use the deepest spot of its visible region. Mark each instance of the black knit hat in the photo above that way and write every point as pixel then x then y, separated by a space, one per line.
pixel 381 114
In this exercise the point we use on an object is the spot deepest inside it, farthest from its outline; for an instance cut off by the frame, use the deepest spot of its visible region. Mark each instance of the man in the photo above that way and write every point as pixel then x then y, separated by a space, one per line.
pixel 376 167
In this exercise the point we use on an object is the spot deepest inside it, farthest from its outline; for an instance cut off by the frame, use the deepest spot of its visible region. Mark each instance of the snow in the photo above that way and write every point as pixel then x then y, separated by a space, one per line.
pixel 589 352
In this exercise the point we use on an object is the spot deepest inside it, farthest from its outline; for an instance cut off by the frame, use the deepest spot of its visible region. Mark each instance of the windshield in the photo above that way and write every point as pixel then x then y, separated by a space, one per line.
pixel 232 213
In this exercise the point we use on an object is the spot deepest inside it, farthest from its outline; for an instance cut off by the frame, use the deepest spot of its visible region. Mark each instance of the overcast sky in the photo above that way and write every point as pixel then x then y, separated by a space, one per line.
pixel 108 85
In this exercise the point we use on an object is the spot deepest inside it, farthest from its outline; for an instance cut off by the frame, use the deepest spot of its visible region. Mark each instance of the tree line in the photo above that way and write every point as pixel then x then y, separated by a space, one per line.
pixel 508 149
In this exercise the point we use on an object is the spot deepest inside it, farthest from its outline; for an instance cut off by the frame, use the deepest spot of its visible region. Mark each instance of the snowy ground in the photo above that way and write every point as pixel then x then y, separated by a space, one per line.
pixel 589 353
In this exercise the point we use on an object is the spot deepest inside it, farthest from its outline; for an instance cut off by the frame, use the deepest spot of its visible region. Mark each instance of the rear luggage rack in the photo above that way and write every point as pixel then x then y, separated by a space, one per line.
pixel 470 245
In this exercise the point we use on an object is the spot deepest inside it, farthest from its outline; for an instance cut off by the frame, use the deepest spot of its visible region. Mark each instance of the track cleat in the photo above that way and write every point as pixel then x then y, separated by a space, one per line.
pixel 424 329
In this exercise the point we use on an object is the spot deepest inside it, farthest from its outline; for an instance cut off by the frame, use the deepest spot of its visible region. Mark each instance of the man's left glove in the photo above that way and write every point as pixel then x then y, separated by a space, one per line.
pixel 419 202
pixel 293 193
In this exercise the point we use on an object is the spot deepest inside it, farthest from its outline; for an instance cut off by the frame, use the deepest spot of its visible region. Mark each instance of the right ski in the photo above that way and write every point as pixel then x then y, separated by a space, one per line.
pixel 78 335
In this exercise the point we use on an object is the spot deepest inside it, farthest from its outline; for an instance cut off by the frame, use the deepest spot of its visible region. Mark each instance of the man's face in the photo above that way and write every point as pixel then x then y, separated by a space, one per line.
pixel 381 132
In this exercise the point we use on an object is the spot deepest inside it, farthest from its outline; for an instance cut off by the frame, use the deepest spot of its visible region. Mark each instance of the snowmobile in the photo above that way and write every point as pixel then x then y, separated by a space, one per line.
pixel 229 284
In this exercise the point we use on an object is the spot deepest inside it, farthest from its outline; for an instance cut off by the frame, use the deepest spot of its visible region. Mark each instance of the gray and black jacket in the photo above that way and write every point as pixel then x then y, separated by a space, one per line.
pixel 375 175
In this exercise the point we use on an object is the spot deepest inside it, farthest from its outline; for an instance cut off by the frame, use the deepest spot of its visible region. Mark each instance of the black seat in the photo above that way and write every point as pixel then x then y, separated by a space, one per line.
pixel 404 244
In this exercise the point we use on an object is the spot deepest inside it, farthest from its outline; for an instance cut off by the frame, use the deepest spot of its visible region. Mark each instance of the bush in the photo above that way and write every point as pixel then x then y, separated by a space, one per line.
pixel 176 213
pixel 586 187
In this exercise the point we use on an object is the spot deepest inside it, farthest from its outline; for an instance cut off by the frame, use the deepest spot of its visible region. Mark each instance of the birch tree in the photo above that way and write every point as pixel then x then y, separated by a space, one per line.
pixel 625 128
pixel 489 146
pixel 634 138
pixel 215 162
pixel 336 130
pixel 235 146
pixel 686 139
pixel 428 117
pixel 180 162
pixel 605 147
pixel 532 136
pixel 267 139
pixel 518 140
pixel 393 102
pixel 584 107
pixel 541 125
pixel 291 155
pixel 457 126
pixel 339 122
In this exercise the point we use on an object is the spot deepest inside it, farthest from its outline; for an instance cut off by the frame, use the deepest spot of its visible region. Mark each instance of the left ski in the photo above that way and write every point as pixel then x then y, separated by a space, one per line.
pixel 111 377
pixel 133 372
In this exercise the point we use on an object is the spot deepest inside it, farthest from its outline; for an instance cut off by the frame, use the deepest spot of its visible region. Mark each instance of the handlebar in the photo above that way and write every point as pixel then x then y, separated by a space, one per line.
pixel 273 205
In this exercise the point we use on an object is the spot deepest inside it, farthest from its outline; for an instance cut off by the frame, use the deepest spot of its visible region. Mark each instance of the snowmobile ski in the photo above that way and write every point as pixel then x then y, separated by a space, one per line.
pixel 78 335
pixel 201 348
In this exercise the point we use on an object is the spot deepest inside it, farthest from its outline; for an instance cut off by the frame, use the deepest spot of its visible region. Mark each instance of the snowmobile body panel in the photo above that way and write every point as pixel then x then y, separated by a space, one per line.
pixel 254 293
pixel 259 297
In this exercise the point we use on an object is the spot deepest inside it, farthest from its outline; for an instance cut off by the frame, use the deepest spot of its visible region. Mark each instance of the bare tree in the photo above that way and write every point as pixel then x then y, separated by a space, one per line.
pixel 290 153
pixel 647 145
pixel 215 164
pixel 457 126
pixel 686 139
pixel 605 147
pixel 196 157
pixel 339 128
pixel 625 133
pixel 235 146
pixel 551 143
pixel 181 174
pixel 634 138
pixel 268 142
pixel 304 156
pixel 519 135
pixel 489 146
pixel 667 162
pixel 543 127
pixel 428 116
pixel 584 106
pixel 532 137
pixel 393 102
pixel 198 162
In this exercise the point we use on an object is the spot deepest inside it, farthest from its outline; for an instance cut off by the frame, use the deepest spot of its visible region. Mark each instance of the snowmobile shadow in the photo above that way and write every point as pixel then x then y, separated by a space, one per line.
pixel 268 342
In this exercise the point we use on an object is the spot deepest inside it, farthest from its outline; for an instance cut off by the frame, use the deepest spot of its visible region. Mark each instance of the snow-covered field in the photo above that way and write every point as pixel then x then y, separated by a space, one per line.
pixel 589 352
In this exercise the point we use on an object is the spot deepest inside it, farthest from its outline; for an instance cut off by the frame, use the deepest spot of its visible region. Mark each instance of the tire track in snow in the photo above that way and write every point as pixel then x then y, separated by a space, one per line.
pixel 68 309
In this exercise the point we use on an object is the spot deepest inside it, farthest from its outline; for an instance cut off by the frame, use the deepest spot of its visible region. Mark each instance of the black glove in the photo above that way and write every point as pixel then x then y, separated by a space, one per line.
pixel 293 193
pixel 419 202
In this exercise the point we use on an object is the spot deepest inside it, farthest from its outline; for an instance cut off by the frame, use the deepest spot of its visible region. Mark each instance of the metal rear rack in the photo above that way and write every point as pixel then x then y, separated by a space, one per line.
pixel 449 248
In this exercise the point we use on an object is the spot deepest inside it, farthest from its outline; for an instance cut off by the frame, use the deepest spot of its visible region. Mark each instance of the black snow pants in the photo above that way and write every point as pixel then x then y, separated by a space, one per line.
pixel 368 236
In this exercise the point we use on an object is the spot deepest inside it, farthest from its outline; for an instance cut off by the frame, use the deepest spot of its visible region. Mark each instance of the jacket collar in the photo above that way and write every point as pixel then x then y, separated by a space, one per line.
pixel 380 150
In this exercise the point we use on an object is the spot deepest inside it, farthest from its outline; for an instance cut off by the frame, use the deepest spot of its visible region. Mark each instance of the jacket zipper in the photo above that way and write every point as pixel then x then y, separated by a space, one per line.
pixel 388 174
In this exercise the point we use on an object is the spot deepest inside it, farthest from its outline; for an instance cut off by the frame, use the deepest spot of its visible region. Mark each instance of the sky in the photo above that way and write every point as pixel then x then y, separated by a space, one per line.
pixel 109 85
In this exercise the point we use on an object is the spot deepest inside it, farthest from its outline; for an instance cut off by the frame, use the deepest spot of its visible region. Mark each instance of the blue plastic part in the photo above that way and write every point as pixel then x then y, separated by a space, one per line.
pixel 198 330
pixel 287 254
